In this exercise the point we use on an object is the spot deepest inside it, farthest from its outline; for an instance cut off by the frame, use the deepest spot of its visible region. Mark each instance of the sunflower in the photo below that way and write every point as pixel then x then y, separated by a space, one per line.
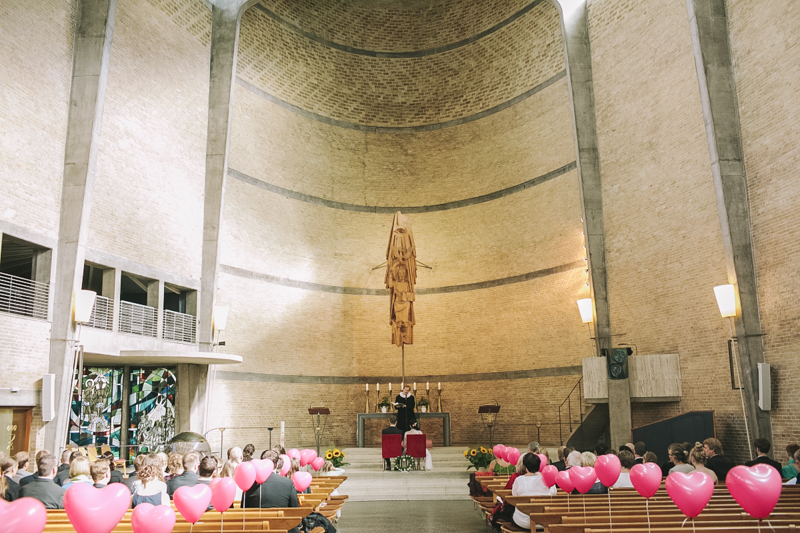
pixel 483 450
pixel 337 453
pixel 466 452
pixel 343 456
pixel 473 453
pixel 328 455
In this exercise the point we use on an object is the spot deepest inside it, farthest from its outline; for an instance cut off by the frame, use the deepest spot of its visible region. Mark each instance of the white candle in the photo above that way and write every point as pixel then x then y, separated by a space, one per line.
pixel 390 386
pixel 283 432
pixel 415 386
pixel 367 387
pixel 427 385
pixel 440 385
pixel 378 387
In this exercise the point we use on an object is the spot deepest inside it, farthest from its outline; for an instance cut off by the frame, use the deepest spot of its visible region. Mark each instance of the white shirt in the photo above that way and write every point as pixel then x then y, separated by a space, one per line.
pixel 529 486
pixel 624 481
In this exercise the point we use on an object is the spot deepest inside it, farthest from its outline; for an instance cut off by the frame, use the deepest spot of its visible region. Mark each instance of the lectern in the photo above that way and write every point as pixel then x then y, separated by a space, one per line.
pixel 319 423
pixel 489 415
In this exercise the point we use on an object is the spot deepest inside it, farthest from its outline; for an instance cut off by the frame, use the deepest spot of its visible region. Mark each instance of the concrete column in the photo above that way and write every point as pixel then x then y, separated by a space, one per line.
pixel 708 23
pixel 155 298
pixel 577 50
pixel 94 29
pixel 112 281
pixel 124 436
pixel 190 408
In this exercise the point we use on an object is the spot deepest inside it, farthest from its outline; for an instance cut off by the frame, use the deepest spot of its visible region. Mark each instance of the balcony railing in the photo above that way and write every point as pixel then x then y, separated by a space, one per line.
pixel 102 313
pixel 137 319
pixel 179 326
pixel 22 296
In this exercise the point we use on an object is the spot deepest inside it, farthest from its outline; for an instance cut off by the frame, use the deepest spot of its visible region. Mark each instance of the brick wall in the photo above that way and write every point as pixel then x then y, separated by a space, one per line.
pixel 766 57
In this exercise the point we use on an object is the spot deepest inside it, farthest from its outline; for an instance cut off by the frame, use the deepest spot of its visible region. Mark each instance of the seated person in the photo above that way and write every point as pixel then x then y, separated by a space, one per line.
pixel 391 430
pixel 697 458
pixel 150 487
pixel 174 465
pixel 574 459
pixel 79 472
pixel 529 484
pixel 43 488
pixel 561 463
pixel 116 475
pixel 790 470
pixel 626 461
pixel 205 471
pixel 276 491
pixel 63 469
pixel 715 459
pixel 588 459
pixel 189 477
pixel 416 431
pixel 229 470
pixel 137 463
pixel 29 479
pixel 293 469
pixel 762 449
pixel 23 463
pixel 649 457
pixel 9 489
pixel 680 459
pixel 101 473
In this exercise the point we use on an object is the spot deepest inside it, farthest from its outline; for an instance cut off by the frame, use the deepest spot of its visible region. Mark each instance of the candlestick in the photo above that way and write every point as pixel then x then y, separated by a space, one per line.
pixel 366 393
pixel 439 391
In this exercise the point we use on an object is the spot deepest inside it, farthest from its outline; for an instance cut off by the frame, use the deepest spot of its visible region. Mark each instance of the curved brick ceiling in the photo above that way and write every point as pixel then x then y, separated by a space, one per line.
pixel 474 57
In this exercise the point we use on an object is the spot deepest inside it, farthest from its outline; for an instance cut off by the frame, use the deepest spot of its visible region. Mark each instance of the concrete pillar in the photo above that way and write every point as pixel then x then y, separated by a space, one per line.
pixel 577 50
pixel 190 408
pixel 94 29
pixel 155 298
pixel 112 281
pixel 708 23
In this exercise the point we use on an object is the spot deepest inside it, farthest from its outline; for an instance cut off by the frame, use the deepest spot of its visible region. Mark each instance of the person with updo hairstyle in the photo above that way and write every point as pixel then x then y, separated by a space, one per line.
pixel 677 453
pixel 529 484
pixel 247 452
pixel 174 465
pixel 150 487
pixel 697 458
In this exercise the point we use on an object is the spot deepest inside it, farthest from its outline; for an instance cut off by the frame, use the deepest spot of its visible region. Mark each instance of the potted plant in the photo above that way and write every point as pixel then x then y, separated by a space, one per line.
pixel 479 457
pixel 423 405
pixel 384 404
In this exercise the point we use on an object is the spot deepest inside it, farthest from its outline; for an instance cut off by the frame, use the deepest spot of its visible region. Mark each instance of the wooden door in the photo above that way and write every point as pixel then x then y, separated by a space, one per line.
pixel 15 429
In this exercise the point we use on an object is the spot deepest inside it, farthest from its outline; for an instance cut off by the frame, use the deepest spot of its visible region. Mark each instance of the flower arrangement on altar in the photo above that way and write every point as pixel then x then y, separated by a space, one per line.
pixel 404 463
pixel 384 404
pixel 479 457
pixel 336 457
pixel 423 405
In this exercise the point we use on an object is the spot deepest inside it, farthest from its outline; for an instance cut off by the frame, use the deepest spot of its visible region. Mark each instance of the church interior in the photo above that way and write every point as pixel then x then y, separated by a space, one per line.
pixel 224 176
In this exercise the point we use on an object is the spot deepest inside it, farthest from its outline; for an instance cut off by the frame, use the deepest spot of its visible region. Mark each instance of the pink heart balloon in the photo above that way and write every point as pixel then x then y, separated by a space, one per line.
pixel 549 474
pixel 301 480
pixel 756 488
pixel 192 502
pixel 499 451
pixel 149 518
pixel 608 469
pixel 690 492
pixel 564 481
pixel 287 464
pixel 25 515
pixel 245 475
pixel 312 454
pixel 223 492
pixel 583 477
pixel 294 453
pixel 317 463
pixel 646 478
pixel 92 510
pixel 264 468
pixel 512 455
pixel 543 460
pixel 305 458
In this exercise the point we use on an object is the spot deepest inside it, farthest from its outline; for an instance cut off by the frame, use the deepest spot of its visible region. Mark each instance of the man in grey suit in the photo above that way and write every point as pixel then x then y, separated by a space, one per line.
pixel 43 488
pixel 276 491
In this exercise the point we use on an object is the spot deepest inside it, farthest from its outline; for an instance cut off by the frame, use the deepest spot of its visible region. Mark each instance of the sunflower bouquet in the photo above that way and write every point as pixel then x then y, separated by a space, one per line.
pixel 336 457
pixel 478 457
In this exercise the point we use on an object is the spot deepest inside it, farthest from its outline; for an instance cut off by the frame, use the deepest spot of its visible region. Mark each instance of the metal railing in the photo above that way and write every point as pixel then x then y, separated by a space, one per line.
pixel 22 296
pixel 102 313
pixel 568 401
pixel 138 319
pixel 179 326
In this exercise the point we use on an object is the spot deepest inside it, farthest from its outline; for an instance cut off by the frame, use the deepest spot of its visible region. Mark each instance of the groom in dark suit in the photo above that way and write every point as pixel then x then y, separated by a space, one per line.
pixel 391 430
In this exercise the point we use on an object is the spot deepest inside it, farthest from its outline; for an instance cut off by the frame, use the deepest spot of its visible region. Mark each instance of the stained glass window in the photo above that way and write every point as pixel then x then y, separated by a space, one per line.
pixel 96 420
pixel 152 408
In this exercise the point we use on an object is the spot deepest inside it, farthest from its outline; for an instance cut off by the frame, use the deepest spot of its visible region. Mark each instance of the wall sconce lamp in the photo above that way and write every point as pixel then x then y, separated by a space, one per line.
pixel 218 322
pixel 587 316
pixel 82 306
pixel 726 301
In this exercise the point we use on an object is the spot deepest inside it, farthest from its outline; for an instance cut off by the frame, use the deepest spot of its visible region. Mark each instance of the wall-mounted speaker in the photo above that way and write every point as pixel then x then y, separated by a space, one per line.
pixel 764 387
pixel 48 397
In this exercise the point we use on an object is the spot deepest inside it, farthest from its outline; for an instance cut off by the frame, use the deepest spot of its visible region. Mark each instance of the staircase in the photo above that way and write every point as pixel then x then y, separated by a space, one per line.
pixel 366 480
pixel 582 425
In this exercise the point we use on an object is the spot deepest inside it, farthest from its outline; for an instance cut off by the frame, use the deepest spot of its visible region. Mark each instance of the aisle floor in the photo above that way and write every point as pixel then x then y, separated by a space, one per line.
pixel 410 517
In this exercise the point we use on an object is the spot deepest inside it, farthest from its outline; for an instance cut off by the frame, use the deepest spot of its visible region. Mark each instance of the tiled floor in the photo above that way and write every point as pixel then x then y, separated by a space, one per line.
pixel 410 517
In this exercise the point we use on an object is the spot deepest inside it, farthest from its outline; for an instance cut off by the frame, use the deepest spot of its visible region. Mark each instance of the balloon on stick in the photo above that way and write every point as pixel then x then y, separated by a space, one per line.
pixel 192 502
pixel 25 515
pixel 149 518
pixel 92 510
pixel 755 488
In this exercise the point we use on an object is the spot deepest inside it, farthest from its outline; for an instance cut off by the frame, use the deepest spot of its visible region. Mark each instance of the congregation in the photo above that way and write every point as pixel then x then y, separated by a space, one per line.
pixel 155 479
pixel 526 478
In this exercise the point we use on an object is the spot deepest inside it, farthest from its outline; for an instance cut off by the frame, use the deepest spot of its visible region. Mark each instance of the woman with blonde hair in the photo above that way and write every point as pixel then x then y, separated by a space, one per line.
pixel 589 459
pixel 698 460
pixel 79 472
pixel 175 464
pixel 229 470
pixel 150 487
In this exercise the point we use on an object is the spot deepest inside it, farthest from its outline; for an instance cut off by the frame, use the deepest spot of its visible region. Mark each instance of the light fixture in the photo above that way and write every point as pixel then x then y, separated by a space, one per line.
pixel 82 305
pixel 585 308
pixel 220 318
pixel 726 300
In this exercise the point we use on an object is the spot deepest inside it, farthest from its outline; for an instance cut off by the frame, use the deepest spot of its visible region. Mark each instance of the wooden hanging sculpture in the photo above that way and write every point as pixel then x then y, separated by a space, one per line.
pixel 401 276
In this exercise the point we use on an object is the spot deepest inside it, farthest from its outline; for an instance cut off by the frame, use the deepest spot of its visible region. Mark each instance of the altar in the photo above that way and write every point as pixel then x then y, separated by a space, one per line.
pixel 444 416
